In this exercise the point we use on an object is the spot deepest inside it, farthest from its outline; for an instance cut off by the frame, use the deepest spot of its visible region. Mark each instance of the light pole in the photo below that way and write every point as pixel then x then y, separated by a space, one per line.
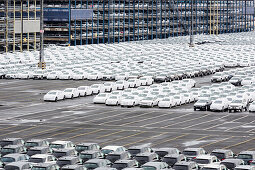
pixel 41 63
pixel 191 43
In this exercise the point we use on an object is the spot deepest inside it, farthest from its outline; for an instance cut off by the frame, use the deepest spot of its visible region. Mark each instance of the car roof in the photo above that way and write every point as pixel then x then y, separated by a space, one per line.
pixel 221 150
pixel 86 144
pixel 173 155
pixel 19 163
pixel 244 166
pixel 90 151
pixel 67 157
pixel 95 160
pixel 205 157
pixel 212 165
pixel 62 150
pixel 13 155
pixel 146 154
pixel 40 156
pixel 35 140
pixel 153 163
pixel 44 164
pixel 232 160
pixel 38 148
pixel 111 147
pixel 123 161
pixel 247 152
pixel 60 142
pixel 192 149
pixel 10 139
pixel 184 163
pixel 72 166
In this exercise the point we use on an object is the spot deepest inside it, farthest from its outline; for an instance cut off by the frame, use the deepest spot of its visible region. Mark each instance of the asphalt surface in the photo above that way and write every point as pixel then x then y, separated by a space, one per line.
pixel 24 114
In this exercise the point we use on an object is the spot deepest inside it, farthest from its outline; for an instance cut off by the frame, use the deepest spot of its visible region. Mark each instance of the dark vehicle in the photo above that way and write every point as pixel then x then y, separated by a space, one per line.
pixel 74 167
pixel 232 163
pixel 68 160
pixel 86 146
pixel 37 143
pixel 134 150
pixel 172 159
pixel 46 166
pixel 236 81
pixel 97 163
pixel 165 151
pixel 91 154
pixel 121 164
pixel 222 154
pixel 202 105
pixel 247 156
pixel 114 156
pixel 143 158
pixel 18 166
pixel 64 152
pixel 13 149
pixel 186 166
pixel 11 141
pixel 39 150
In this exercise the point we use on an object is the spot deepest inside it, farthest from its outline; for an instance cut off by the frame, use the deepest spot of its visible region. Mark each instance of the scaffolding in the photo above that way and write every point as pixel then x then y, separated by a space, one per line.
pixel 12 15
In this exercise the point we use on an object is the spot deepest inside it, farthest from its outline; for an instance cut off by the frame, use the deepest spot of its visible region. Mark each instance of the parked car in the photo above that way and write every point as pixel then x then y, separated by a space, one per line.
pixel 172 159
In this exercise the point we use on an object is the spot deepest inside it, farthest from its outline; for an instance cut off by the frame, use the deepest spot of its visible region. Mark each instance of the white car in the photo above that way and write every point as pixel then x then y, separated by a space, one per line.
pixel 189 82
pixel 133 83
pixel 25 75
pixel 110 86
pixel 84 90
pixel 214 166
pixel 113 100
pixel 54 75
pixel 71 93
pixel 109 149
pixel 166 102
pixel 203 160
pixel 149 101
pixel 54 95
pixel 65 76
pixel 42 158
pixel 248 81
pixel 59 144
pixel 78 76
pixel 95 76
pixel 146 81
pixel 219 105
pixel 97 88
pixel 179 99
pixel 121 84
pixel 252 107
pixel 129 101
pixel 122 76
pixel 101 98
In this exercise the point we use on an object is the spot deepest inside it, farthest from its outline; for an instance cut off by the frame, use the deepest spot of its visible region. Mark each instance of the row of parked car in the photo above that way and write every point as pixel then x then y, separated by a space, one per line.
pixel 163 95
pixel 161 60
pixel 41 154
pixel 226 96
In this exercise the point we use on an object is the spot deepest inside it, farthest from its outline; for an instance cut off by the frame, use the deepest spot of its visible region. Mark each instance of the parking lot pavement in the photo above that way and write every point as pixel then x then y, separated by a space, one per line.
pixel 24 114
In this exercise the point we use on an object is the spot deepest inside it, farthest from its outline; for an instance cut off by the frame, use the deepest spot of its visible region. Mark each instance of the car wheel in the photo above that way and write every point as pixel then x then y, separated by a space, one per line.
pixel 134 104
pixel 195 109
pixel 170 106
pixel 117 104
pixel 222 109
pixel 56 77
pixel 64 97
pixel 72 97
pixel 110 89
pixel 27 77
pixel 79 95
pixel 98 92
pixel 85 94
pixel 69 77
pixel 56 99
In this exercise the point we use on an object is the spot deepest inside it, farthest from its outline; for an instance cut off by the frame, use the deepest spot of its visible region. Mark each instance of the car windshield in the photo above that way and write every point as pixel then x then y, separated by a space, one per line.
pixel 81 88
pixel 148 98
pixel 113 97
pixel 237 101
pixel 119 82
pixel 64 162
pixel 244 156
pixel 7 159
pixel 149 168
pixel 130 97
pixel 10 167
pixel 219 155
pixel 131 80
pixel 202 161
pixel 101 95
pixel 94 86
pixel 229 165
pixel 59 154
pixel 57 146
pixel 33 152
pixel 190 153
pixel 31 144
pixel 79 148
pixel 86 156
pixel 161 153
pixel 36 160
pixel 120 165
pixel 8 150
pixel 113 158
pixel 166 99
pixel 90 165
pixel 170 161
pixel 4 143
pixel 106 151
pixel 38 168
pixel 134 151
pixel 218 102
pixel 181 167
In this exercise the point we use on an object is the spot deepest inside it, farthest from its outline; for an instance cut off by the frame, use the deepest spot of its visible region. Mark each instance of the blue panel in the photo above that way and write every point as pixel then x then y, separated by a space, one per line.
pixel 81 14
pixel 56 14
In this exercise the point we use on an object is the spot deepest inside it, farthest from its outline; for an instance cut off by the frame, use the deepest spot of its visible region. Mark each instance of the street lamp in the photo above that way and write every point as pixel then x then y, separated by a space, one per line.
pixel 191 43
pixel 41 63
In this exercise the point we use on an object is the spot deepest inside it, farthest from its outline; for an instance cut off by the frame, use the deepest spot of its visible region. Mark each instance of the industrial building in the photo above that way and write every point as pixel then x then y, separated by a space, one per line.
pixel 79 22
